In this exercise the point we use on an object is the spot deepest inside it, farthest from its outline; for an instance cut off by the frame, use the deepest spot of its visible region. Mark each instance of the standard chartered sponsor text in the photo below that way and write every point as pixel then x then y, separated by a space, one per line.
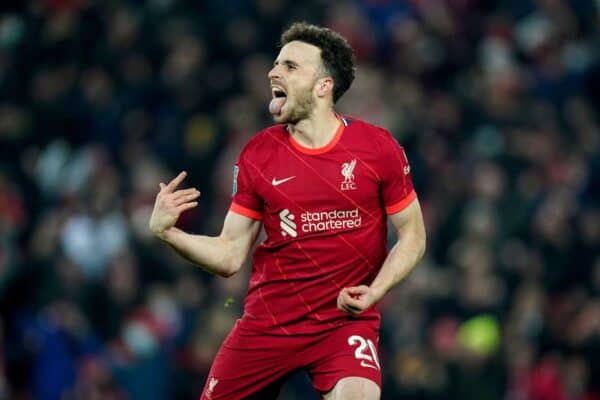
pixel 327 220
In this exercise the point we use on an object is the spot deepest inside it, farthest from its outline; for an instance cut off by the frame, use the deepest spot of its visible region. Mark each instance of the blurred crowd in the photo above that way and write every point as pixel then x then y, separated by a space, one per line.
pixel 495 103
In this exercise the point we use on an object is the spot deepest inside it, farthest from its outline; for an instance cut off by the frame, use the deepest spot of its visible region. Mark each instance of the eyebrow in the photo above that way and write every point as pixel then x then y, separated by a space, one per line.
pixel 286 62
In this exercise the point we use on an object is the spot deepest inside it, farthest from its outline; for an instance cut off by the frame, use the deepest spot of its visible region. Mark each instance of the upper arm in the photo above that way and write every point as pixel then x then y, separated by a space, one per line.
pixel 409 221
pixel 243 221
pixel 239 232
pixel 239 228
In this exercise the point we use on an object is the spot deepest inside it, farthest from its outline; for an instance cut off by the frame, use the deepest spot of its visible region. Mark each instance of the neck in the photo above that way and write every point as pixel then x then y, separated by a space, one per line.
pixel 317 130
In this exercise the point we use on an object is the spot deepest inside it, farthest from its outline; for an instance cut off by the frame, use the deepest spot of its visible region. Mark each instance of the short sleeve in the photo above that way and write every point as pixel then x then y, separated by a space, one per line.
pixel 396 182
pixel 245 200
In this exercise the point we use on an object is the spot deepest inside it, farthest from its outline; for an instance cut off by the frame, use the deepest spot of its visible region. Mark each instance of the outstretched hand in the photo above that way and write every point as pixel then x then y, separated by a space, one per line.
pixel 356 299
pixel 170 203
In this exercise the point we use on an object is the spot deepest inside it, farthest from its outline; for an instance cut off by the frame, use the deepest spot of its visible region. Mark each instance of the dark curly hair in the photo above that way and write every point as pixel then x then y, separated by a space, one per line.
pixel 336 53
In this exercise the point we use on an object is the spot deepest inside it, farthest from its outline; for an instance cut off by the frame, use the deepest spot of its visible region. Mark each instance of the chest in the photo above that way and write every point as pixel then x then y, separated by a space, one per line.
pixel 335 180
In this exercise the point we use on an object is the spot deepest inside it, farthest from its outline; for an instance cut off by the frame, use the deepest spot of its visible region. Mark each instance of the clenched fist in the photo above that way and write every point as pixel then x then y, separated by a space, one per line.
pixel 169 205
pixel 354 300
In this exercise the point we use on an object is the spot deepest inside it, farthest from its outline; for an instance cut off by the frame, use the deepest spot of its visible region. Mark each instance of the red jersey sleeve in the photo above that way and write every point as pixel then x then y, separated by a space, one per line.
pixel 397 186
pixel 245 200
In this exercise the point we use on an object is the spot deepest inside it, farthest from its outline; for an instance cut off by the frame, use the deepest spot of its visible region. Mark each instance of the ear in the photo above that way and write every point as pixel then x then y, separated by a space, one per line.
pixel 324 87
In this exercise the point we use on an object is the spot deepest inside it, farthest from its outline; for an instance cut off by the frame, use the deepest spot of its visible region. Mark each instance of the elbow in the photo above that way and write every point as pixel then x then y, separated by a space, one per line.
pixel 231 268
pixel 231 261
pixel 230 271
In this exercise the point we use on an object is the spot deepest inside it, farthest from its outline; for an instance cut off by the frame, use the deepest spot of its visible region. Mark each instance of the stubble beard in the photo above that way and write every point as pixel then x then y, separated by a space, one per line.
pixel 303 108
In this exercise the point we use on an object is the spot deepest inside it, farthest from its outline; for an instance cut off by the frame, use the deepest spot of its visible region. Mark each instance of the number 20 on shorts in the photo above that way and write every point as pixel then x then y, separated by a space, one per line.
pixel 365 346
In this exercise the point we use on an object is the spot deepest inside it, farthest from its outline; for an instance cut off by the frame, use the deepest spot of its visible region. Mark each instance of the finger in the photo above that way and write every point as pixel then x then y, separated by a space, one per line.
pixel 161 185
pixel 345 305
pixel 351 310
pixel 354 304
pixel 186 206
pixel 345 296
pixel 345 300
pixel 357 290
pixel 175 182
pixel 184 192
pixel 342 297
pixel 185 199
pixel 341 303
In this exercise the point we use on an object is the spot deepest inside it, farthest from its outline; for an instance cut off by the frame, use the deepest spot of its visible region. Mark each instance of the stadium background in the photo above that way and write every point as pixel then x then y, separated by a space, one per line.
pixel 494 101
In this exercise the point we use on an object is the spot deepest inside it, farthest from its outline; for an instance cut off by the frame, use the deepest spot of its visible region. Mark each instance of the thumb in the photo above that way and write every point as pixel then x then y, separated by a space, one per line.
pixel 354 290
pixel 161 185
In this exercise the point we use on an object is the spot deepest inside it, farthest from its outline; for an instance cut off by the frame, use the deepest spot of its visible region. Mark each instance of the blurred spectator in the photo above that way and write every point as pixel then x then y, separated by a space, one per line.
pixel 495 103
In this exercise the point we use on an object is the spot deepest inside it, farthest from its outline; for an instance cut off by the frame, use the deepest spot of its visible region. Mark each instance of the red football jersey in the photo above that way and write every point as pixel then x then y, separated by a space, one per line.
pixel 324 213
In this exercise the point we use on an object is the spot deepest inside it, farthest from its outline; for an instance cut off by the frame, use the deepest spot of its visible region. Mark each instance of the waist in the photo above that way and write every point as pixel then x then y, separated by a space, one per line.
pixel 299 320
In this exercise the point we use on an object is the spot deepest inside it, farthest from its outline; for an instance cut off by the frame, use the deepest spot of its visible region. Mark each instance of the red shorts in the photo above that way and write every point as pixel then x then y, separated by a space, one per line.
pixel 253 365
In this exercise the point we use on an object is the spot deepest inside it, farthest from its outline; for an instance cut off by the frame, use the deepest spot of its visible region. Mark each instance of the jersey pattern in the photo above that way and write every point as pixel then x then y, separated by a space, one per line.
pixel 324 213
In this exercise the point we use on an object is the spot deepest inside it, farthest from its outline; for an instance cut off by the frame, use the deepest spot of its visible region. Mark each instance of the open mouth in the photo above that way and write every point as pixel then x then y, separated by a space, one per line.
pixel 278 101
pixel 278 93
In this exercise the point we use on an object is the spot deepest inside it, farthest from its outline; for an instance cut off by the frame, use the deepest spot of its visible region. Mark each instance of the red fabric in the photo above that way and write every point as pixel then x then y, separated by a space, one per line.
pixel 325 219
pixel 251 365
pixel 402 204
pixel 246 212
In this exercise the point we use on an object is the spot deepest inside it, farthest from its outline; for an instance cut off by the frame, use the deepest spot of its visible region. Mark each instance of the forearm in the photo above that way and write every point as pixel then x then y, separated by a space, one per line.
pixel 401 260
pixel 214 254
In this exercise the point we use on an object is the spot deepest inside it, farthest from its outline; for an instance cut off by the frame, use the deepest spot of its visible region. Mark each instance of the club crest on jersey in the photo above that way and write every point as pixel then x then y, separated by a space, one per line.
pixel 348 173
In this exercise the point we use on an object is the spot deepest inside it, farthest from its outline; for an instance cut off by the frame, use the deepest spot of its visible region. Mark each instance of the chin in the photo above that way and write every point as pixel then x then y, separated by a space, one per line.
pixel 279 119
pixel 283 118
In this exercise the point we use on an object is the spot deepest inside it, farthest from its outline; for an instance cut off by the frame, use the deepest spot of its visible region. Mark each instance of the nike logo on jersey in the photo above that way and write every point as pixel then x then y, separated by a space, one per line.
pixel 276 182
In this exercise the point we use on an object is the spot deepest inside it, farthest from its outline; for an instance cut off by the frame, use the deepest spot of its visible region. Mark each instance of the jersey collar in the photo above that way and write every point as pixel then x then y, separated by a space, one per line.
pixel 324 149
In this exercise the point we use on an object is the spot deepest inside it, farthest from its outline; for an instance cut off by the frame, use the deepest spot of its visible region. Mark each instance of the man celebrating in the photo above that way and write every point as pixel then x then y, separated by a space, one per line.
pixel 322 185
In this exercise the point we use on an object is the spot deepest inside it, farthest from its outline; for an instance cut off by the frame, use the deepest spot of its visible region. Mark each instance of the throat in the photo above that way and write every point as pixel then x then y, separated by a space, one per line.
pixel 314 135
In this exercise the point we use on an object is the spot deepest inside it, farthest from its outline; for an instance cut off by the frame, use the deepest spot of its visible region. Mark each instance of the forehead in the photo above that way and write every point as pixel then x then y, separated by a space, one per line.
pixel 301 53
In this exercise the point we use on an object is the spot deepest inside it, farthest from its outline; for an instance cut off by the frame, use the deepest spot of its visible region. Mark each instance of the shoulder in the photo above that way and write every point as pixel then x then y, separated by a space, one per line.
pixel 264 141
pixel 380 137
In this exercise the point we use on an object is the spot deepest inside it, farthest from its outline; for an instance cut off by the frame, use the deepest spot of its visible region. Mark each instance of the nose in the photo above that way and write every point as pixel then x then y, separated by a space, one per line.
pixel 274 73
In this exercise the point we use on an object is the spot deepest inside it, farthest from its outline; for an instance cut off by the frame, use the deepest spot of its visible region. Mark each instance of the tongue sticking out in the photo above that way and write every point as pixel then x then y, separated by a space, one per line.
pixel 276 105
